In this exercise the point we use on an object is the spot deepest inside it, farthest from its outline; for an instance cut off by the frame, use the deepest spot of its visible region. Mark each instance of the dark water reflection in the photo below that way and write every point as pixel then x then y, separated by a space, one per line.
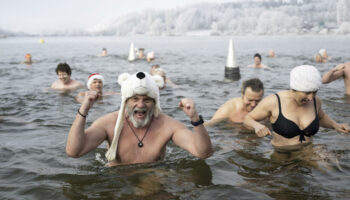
pixel 34 122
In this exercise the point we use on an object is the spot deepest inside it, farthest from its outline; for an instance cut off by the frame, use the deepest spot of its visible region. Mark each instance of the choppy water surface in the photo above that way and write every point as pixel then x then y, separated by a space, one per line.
pixel 35 122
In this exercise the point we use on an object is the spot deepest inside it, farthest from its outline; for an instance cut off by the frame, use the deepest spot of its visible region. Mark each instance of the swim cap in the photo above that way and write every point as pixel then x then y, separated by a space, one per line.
pixel 140 83
pixel 305 78
pixel 28 55
pixel 150 55
pixel 321 51
pixel 92 77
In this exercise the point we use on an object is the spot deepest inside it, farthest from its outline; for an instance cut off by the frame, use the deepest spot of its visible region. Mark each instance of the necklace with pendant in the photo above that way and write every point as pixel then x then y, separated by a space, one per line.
pixel 140 144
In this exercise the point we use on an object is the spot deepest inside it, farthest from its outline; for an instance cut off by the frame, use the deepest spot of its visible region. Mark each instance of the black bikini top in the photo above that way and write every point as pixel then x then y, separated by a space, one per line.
pixel 289 129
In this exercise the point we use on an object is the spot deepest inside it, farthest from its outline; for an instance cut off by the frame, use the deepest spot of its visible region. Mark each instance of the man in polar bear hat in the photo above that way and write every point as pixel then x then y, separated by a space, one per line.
pixel 139 131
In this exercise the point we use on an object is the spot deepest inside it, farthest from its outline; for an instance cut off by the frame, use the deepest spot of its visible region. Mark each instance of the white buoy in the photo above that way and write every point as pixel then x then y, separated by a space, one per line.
pixel 132 56
pixel 231 68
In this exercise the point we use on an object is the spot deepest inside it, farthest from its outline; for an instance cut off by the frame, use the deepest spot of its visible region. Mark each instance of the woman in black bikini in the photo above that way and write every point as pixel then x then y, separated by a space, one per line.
pixel 295 114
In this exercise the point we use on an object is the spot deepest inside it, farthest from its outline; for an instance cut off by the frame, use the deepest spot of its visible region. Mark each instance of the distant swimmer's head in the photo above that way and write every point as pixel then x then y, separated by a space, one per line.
pixel 140 98
pixel 154 67
pixel 104 52
pixel 323 53
pixel 160 72
pixel 271 53
pixel 63 72
pixel 28 58
pixel 150 56
pixel 257 59
pixel 252 93
pixel 141 53
pixel 305 80
pixel 95 82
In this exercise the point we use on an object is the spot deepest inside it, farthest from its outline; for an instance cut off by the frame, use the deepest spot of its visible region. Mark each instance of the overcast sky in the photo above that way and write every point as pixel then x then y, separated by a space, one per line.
pixel 34 16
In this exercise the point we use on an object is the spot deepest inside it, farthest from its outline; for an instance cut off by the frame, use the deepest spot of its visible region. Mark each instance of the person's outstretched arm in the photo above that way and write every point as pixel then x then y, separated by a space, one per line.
pixel 259 113
pixel 81 141
pixel 197 142
pixel 333 74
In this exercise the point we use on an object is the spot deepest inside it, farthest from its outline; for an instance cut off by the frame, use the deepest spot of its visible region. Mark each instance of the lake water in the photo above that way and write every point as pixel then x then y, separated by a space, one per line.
pixel 35 121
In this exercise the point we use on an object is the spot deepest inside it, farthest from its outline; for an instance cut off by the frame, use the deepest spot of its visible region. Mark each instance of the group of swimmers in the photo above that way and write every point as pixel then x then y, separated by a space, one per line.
pixel 139 131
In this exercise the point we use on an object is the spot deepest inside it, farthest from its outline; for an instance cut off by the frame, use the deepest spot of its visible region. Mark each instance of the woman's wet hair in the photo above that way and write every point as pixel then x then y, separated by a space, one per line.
pixel 255 84
pixel 63 67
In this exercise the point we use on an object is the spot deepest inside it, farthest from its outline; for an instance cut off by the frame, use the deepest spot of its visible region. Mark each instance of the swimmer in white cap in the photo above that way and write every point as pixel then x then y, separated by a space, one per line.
pixel 295 114
pixel 95 83
pixel 322 56
pixel 339 71
pixel 64 82
pixel 271 53
pixel 150 56
pixel 139 131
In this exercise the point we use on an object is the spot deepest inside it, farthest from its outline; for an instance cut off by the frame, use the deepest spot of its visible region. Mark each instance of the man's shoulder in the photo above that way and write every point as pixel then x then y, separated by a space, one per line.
pixel 75 83
pixel 232 102
pixel 55 83
pixel 109 117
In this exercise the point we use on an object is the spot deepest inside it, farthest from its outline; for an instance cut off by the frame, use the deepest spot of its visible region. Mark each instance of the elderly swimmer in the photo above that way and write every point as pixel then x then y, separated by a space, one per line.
pixel 236 109
pixel 64 81
pixel 138 132
pixel 295 114
pixel 341 70
pixel 95 83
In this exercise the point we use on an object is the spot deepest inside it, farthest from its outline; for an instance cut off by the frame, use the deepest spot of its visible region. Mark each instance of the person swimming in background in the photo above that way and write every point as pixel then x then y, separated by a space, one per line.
pixel 95 82
pixel 319 59
pixel 160 72
pixel 322 56
pixel 153 68
pixel 341 70
pixel 103 53
pixel 64 81
pixel 237 108
pixel 156 70
pixel 139 131
pixel 150 56
pixel 257 62
pixel 295 114
pixel 28 59
pixel 141 53
pixel 272 53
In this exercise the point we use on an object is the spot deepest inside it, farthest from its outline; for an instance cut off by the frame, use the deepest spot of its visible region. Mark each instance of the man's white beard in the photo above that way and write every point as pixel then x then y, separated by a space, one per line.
pixel 138 123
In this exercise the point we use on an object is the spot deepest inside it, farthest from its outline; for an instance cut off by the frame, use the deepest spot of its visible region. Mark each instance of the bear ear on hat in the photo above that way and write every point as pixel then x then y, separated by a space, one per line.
pixel 122 78
pixel 159 80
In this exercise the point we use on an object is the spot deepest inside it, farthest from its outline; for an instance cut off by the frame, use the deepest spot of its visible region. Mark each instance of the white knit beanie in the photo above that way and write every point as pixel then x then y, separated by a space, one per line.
pixel 92 77
pixel 140 83
pixel 305 78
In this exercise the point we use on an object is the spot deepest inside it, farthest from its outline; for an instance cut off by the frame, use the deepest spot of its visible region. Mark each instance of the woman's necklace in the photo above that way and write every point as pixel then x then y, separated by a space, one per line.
pixel 140 141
